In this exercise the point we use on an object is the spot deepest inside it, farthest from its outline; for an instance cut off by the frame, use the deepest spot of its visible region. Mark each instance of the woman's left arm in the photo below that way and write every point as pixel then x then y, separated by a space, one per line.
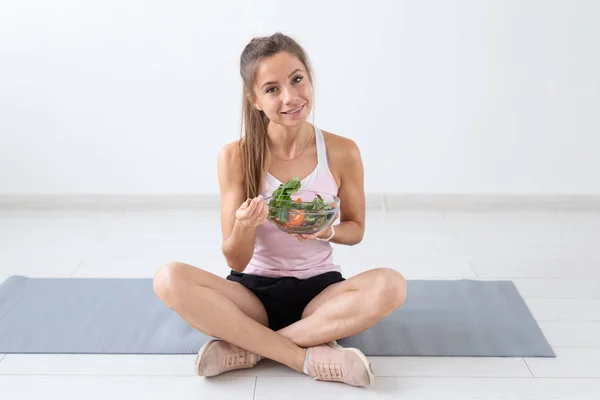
pixel 351 229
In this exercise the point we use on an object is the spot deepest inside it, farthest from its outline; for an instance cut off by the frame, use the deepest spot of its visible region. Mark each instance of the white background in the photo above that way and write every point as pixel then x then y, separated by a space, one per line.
pixel 453 97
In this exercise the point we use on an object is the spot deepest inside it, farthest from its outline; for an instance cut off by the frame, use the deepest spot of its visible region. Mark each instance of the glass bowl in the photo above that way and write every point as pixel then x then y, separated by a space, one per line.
pixel 303 212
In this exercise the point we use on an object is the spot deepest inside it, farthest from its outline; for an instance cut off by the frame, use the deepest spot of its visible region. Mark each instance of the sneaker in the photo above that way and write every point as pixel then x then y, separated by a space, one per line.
pixel 331 362
pixel 218 356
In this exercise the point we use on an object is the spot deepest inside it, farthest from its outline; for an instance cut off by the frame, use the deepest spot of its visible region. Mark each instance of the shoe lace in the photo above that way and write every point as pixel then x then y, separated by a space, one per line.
pixel 329 372
pixel 238 358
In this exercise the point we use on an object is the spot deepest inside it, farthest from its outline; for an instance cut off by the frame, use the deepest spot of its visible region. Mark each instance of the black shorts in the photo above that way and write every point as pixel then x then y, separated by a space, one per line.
pixel 285 298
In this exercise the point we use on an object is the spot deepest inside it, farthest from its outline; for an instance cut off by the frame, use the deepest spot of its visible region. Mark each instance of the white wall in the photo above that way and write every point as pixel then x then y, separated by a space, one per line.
pixel 131 97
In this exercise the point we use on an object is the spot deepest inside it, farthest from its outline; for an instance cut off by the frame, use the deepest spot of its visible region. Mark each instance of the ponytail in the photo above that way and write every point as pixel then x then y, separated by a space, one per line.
pixel 254 147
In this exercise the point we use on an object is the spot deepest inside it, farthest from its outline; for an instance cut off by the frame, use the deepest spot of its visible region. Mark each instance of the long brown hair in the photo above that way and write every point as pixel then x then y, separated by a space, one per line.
pixel 254 122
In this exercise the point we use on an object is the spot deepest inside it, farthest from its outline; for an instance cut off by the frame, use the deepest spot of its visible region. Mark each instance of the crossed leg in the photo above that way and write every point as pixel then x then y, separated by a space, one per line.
pixel 348 307
pixel 225 310
pixel 229 311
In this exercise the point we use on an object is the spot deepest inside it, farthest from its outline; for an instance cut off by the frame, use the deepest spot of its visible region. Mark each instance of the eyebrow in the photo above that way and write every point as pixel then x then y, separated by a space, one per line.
pixel 271 83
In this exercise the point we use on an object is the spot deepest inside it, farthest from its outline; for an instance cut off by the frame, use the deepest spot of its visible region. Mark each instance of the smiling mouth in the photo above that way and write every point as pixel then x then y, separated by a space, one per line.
pixel 294 111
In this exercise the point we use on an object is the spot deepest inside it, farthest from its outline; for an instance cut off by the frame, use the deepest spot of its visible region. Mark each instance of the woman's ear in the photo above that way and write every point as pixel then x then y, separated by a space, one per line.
pixel 255 105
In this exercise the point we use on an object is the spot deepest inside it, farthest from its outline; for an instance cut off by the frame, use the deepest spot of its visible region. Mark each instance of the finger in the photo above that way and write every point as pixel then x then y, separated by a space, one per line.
pixel 258 207
pixel 265 211
pixel 259 217
pixel 334 219
pixel 250 209
pixel 246 204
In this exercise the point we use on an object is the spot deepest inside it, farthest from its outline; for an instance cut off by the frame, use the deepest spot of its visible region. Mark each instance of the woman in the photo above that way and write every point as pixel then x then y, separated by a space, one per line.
pixel 284 298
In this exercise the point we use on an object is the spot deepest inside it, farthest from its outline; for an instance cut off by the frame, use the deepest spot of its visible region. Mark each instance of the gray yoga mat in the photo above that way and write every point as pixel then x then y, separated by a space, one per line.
pixel 124 316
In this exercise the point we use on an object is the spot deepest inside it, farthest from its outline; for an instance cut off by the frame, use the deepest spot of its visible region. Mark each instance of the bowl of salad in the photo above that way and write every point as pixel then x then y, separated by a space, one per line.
pixel 293 210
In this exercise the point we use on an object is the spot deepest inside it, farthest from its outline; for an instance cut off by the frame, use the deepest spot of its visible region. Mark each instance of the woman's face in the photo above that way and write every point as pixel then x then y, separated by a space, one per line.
pixel 282 89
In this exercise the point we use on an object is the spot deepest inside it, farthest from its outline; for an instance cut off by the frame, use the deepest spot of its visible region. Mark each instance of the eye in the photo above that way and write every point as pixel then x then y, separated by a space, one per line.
pixel 297 79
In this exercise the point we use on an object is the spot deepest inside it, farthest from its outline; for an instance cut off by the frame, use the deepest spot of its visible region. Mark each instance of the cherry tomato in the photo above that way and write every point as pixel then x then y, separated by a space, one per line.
pixel 295 219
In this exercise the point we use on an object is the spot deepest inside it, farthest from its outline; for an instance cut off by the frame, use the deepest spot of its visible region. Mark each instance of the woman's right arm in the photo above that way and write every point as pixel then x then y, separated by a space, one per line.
pixel 239 216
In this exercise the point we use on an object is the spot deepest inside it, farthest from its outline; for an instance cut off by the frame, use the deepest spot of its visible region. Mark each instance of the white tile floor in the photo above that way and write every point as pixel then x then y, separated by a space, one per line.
pixel 553 257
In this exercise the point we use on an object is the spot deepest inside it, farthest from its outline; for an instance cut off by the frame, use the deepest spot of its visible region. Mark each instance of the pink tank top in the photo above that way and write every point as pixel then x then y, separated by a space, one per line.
pixel 277 253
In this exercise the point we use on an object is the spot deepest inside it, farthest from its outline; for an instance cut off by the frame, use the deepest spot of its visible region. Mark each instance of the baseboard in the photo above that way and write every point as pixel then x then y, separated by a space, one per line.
pixel 474 202
pixel 374 201
pixel 119 203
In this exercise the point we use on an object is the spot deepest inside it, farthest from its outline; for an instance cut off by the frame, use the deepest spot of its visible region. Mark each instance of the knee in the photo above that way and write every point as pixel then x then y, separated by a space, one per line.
pixel 389 291
pixel 168 282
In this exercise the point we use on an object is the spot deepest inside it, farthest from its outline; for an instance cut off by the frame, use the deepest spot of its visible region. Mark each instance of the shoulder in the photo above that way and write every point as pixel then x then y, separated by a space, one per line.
pixel 341 149
pixel 344 159
pixel 230 159
pixel 231 153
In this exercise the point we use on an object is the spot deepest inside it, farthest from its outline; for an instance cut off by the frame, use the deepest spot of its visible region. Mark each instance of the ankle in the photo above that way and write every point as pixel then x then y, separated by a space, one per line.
pixel 301 360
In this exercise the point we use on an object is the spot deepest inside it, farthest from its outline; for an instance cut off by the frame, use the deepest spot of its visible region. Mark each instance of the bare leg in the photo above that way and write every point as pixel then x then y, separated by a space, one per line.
pixel 348 307
pixel 225 310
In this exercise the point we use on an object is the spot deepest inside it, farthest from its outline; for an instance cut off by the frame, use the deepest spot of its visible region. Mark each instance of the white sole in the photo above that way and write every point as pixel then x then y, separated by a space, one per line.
pixel 333 344
pixel 201 353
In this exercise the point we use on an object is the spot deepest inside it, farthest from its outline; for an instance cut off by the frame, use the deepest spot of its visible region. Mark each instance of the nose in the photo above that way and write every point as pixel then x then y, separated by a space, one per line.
pixel 288 95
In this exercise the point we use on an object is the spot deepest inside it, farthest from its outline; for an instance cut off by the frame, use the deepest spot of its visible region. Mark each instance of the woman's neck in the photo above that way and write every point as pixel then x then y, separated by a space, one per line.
pixel 289 143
